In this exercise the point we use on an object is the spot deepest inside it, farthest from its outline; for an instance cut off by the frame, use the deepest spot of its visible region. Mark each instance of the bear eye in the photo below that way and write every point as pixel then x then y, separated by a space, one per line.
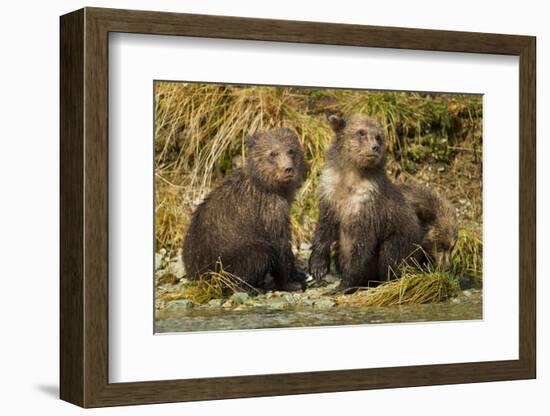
pixel 362 133
pixel 378 138
pixel 291 152
pixel 273 154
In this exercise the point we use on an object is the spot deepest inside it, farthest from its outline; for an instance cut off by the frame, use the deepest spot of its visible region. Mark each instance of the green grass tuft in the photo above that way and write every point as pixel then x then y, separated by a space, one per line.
pixel 467 255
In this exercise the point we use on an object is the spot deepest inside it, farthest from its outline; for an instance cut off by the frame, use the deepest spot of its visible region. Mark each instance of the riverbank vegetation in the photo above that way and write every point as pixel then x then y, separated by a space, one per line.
pixel 435 139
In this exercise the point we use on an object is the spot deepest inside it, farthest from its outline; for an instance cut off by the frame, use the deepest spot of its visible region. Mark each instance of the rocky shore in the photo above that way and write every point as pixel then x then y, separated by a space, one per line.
pixel 171 286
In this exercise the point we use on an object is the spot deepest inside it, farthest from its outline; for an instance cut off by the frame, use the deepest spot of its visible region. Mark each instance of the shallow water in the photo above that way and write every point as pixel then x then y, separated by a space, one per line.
pixel 204 319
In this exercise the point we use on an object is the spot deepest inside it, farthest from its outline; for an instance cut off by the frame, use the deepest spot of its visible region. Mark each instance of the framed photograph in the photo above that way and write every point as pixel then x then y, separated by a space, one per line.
pixel 255 207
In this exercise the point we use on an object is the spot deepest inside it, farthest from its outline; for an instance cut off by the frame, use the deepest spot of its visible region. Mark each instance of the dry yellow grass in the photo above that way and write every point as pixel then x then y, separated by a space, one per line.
pixel 200 130
pixel 433 138
pixel 216 284
pixel 416 286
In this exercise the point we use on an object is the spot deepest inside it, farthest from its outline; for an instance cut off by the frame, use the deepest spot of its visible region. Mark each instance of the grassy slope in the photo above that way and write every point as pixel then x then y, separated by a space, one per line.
pixel 200 129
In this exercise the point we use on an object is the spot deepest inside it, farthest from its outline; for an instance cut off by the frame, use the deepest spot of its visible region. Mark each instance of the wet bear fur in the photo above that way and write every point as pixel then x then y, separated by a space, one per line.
pixel 244 223
pixel 438 219
pixel 361 212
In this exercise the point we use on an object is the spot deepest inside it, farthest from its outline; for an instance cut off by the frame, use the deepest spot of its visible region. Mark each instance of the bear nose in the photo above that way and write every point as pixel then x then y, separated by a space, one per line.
pixel 289 170
pixel 376 147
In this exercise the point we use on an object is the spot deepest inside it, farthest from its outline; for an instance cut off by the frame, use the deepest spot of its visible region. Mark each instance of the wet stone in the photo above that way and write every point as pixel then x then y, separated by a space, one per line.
pixel 288 297
pixel 307 302
pixel 176 267
pixel 239 297
pixel 324 303
pixel 158 261
pixel 215 303
pixel 330 278
pixel 276 303
pixel 180 304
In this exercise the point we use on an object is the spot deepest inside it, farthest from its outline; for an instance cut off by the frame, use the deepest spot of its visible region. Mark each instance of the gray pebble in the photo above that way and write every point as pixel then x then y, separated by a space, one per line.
pixel 330 278
pixel 180 304
pixel 215 303
pixel 158 261
pixel 307 302
pixel 324 303
pixel 239 297
pixel 177 268
pixel 276 303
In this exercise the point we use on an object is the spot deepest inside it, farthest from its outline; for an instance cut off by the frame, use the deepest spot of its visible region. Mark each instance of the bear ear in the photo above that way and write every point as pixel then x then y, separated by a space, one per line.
pixel 251 140
pixel 336 122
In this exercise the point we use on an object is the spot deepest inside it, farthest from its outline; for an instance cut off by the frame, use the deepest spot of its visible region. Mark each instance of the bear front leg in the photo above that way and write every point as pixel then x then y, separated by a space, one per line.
pixel 325 234
pixel 357 259
pixel 287 277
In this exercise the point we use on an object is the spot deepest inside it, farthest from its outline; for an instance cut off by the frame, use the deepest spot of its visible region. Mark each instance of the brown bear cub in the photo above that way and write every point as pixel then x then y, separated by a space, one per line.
pixel 244 223
pixel 360 209
pixel 438 219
